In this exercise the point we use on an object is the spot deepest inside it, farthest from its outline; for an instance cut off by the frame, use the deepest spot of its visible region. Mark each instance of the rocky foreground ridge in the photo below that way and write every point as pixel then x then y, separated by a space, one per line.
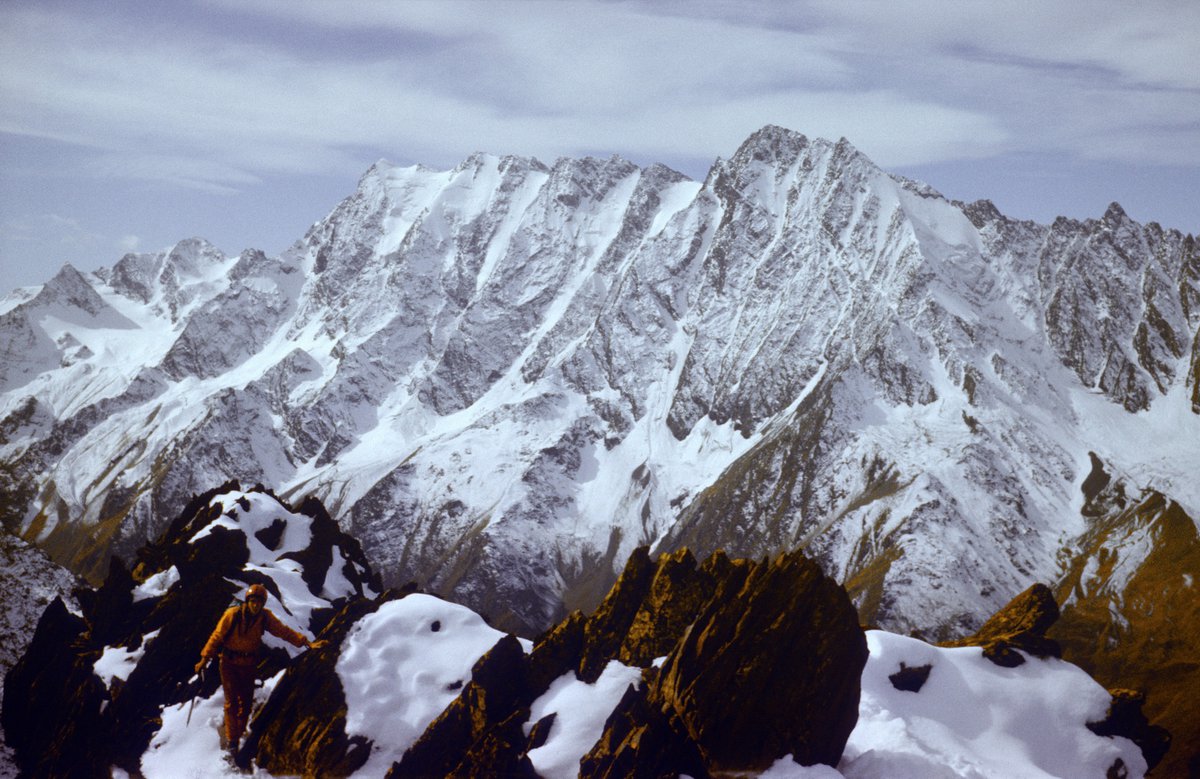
pixel 730 666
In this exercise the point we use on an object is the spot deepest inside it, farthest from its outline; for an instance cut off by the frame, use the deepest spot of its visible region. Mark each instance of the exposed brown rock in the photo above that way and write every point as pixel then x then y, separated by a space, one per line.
pixel 640 740
pixel 605 630
pixel 771 667
pixel 1021 625
pixel 557 651
pixel 1139 627
pixel 500 752
pixel 649 608
pixel 674 597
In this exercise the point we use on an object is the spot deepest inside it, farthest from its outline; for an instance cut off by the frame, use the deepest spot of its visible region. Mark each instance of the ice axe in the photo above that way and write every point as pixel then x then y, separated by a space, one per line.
pixel 200 678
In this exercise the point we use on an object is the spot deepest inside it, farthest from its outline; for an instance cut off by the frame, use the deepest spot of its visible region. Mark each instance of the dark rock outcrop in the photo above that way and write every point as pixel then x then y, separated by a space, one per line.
pixel 641 740
pixel 647 610
pixel 910 678
pixel 52 734
pixel 771 667
pixel 1125 719
pixel 1021 625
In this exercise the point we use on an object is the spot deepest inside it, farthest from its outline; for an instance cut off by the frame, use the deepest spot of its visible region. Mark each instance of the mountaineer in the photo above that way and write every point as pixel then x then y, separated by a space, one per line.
pixel 238 640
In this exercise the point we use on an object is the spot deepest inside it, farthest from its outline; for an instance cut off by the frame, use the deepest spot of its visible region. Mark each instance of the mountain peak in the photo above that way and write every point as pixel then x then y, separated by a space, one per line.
pixel 1115 213
pixel 771 143
pixel 507 381
pixel 70 287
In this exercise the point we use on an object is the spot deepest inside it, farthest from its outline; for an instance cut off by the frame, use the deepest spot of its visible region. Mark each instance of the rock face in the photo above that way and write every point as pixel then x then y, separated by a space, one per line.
pixel 761 660
pixel 49 738
pixel 29 582
pixel 1021 625
pixel 770 667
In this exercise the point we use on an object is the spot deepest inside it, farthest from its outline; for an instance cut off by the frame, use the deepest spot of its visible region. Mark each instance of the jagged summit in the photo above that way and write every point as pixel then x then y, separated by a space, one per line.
pixel 507 376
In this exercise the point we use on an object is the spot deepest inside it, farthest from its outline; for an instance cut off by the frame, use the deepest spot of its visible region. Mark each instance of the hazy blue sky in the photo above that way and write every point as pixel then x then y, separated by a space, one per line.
pixel 131 125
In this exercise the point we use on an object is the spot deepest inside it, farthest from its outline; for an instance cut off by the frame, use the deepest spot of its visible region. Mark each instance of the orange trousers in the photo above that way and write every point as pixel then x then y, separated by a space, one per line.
pixel 237 679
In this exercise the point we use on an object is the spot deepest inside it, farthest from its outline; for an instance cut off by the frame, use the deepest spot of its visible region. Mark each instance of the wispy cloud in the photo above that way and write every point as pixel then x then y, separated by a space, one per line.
pixel 63 238
pixel 307 86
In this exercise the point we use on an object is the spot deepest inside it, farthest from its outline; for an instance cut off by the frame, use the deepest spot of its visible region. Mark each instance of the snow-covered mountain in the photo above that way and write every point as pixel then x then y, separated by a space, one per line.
pixel 506 376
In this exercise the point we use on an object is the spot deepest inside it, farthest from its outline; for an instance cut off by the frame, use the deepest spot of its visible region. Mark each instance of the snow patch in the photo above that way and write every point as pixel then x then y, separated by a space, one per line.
pixel 117 662
pixel 157 585
pixel 402 665
pixel 580 711
pixel 973 718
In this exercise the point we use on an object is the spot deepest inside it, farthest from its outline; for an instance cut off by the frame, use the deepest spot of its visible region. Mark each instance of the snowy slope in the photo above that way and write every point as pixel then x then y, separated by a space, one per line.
pixel 506 376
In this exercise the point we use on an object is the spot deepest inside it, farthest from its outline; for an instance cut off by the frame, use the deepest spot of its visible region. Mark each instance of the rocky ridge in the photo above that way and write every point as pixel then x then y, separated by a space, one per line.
pixel 89 691
pixel 726 667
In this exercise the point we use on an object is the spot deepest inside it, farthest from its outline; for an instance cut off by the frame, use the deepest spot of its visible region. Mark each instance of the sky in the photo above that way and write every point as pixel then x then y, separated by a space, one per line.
pixel 128 126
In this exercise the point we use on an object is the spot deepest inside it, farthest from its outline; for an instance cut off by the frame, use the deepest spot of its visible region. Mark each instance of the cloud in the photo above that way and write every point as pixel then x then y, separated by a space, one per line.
pixel 313 87
pixel 63 232
pixel 181 171
pixel 129 243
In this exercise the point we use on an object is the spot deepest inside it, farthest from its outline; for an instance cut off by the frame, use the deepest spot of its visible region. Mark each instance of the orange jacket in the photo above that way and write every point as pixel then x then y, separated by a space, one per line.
pixel 246 636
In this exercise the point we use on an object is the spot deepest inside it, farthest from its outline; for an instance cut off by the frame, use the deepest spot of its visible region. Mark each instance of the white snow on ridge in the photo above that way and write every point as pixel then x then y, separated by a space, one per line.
pixel 117 662
pixel 295 603
pixel 402 665
pixel 157 585
pixel 576 729
pixel 971 719
pixel 975 719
